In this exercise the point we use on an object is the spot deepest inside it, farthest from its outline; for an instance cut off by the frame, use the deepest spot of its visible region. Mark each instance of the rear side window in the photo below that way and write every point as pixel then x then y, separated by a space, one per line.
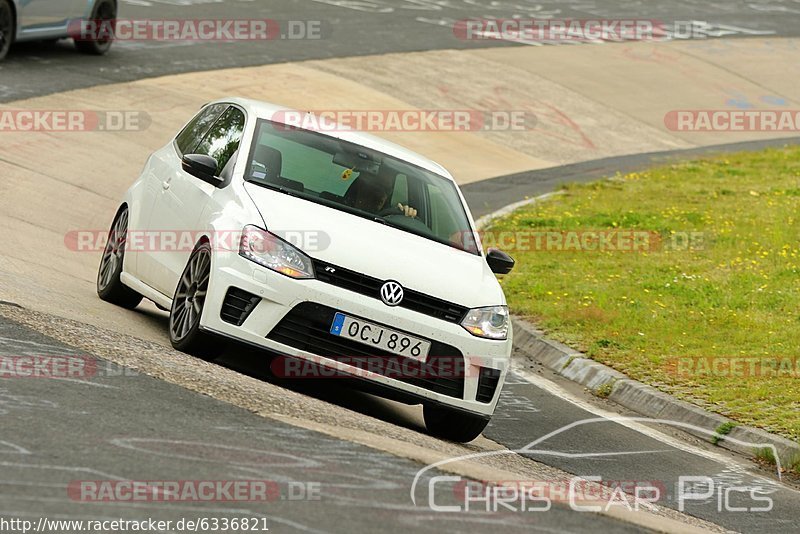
pixel 193 133
pixel 443 208
pixel 223 139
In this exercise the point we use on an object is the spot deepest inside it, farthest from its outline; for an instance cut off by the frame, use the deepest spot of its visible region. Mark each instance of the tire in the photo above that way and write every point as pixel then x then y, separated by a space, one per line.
pixel 109 286
pixel 453 425
pixel 105 10
pixel 187 308
pixel 7 27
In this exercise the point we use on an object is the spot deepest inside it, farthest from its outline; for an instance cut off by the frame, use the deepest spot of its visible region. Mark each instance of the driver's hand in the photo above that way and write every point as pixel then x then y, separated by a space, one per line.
pixel 408 211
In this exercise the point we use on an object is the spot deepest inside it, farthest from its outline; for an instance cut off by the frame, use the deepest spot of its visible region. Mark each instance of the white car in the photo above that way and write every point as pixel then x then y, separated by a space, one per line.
pixel 383 281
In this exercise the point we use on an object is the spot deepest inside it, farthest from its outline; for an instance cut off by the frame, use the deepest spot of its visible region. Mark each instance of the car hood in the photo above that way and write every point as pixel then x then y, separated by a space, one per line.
pixel 377 250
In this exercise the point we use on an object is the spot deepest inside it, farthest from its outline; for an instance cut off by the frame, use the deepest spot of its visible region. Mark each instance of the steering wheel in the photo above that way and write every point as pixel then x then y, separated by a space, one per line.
pixel 395 211
pixel 391 210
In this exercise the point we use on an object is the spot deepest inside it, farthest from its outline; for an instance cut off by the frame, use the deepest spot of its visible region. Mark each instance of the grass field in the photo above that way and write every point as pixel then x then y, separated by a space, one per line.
pixel 710 313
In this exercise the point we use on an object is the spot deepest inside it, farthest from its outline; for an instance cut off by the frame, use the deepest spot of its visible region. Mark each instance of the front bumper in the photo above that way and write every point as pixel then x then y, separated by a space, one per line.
pixel 279 295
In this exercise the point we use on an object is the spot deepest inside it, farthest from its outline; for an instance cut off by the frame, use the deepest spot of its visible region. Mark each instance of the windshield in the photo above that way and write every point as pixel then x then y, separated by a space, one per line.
pixel 359 180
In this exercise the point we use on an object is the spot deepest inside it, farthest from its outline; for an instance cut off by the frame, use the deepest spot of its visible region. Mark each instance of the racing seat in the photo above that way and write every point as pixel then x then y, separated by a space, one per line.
pixel 272 161
pixel 366 185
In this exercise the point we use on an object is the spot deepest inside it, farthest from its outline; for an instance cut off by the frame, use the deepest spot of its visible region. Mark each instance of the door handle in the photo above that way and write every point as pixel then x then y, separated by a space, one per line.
pixel 165 185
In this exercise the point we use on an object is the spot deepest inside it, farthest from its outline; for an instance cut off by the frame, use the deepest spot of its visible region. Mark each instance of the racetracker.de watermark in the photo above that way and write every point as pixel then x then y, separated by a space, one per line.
pixel 192 491
pixel 734 366
pixel 72 120
pixel 742 120
pixel 186 240
pixel 405 120
pixel 556 31
pixel 584 240
pixel 60 367
pixel 195 30
pixel 398 367
pixel 549 30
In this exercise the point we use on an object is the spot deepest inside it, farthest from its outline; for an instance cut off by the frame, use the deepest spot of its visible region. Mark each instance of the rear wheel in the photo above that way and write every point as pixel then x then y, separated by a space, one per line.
pixel 453 425
pixel 109 286
pixel 187 307
pixel 103 16
pixel 7 25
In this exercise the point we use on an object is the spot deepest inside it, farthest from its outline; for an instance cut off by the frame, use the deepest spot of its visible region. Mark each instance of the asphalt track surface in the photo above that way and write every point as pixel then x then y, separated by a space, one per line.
pixel 122 426
pixel 348 28
pixel 142 428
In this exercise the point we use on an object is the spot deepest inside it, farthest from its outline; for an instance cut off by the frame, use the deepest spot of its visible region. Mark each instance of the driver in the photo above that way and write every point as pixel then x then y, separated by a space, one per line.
pixel 372 194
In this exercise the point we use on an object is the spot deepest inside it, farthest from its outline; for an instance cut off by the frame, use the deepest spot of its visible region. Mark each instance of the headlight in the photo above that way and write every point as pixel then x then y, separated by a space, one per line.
pixel 491 322
pixel 274 253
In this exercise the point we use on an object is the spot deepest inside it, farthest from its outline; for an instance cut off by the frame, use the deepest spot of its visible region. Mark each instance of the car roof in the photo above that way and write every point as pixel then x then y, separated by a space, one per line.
pixel 268 111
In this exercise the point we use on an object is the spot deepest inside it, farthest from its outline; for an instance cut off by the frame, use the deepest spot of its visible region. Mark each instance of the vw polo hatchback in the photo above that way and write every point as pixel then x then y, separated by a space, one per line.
pixel 331 249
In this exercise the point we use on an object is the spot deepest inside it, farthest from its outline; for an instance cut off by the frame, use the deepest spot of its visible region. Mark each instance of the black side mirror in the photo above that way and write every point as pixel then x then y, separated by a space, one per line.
pixel 202 167
pixel 499 262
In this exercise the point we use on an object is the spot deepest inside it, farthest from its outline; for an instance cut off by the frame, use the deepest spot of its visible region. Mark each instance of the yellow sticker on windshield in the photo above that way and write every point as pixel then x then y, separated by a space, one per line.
pixel 346 174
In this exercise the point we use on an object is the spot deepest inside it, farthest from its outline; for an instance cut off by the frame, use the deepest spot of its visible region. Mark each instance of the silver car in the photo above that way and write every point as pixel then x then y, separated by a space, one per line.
pixel 50 20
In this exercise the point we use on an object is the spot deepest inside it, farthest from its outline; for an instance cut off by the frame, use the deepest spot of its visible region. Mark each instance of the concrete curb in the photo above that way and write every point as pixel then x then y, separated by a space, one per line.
pixel 644 399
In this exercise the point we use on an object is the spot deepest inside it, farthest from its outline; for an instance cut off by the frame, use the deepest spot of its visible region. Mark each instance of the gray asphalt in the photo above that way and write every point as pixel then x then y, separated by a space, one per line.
pixel 616 453
pixel 117 425
pixel 348 29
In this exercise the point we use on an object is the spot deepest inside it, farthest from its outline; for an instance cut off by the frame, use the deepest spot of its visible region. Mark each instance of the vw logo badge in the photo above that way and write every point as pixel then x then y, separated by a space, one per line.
pixel 391 293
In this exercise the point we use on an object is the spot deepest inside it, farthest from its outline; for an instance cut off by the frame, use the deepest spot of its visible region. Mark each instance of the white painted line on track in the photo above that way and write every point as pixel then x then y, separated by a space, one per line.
pixel 557 391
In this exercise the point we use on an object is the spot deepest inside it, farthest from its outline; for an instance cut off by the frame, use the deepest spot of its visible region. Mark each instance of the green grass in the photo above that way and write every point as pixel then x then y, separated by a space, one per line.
pixel 723 430
pixel 604 390
pixel 766 456
pixel 735 292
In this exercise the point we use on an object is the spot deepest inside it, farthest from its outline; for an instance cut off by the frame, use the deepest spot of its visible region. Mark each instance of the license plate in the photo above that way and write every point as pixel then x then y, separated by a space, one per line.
pixel 380 337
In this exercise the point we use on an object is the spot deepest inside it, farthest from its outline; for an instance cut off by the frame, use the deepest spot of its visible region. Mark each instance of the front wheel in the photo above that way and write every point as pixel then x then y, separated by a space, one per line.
pixel 103 23
pixel 7 25
pixel 453 425
pixel 187 307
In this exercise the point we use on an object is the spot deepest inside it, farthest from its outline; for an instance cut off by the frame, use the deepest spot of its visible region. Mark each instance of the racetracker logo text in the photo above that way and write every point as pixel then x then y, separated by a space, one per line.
pixel 191 490
pixel 73 120
pixel 751 120
pixel 194 30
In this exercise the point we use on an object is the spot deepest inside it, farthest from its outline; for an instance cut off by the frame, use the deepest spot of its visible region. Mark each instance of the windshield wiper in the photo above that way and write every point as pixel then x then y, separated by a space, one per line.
pixel 276 187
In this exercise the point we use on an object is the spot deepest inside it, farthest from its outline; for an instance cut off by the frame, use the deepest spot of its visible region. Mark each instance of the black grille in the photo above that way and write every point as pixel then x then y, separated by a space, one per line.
pixel 487 384
pixel 237 305
pixel 307 327
pixel 371 287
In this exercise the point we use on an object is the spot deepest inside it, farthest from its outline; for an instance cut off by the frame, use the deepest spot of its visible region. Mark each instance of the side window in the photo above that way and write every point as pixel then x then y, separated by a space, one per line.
pixel 191 135
pixel 223 139
pixel 442 221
